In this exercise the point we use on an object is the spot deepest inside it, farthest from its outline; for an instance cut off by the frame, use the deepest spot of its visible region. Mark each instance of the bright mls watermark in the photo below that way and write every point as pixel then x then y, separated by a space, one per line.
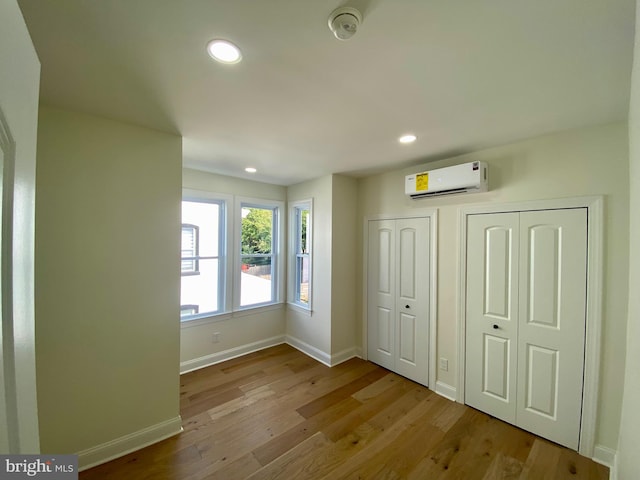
pixel 52 467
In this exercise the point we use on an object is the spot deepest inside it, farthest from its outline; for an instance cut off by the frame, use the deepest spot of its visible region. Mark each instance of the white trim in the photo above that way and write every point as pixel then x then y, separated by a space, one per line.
pixel 433 301
pixel 9 401
pixel 613 470
pixel 192 194
pixel 344 355
pixel 310 350
pixel 221 317
pixel 432 215
pixel 128 443
pixel 364 286
pixel 594 206
pixel 593 334
pixel 298 309
pixel 446 391
pixel 18 403
pixel 213 358
pixel 257 310
pixel 605 456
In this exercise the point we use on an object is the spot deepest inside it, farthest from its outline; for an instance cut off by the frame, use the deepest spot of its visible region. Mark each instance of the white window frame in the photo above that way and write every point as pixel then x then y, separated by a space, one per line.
pixel 225 271
pixel 294 241
pixel 277 239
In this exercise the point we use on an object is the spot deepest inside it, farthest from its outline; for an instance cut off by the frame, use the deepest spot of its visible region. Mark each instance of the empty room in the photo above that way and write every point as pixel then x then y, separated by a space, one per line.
pixel 321 239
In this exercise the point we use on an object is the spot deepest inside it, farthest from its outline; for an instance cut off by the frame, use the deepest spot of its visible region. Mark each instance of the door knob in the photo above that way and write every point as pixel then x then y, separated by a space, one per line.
pixel 407 306
pixel 495 327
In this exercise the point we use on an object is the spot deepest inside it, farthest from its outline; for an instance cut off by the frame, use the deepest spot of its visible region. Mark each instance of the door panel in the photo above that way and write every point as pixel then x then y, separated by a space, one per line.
pixel 497 287
pixel 407 257
pixel 413 268
pixel 553 292
pixel 407 338
pixel 381 293
pixel 495 374
pixel 541 386
pixel 385 270
pixel 491 336
pixel 385 335
pixel 543 273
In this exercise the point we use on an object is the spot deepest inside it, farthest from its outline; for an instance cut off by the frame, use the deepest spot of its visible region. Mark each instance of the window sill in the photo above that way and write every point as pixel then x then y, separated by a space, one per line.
pixel 297 308
pixel 220 317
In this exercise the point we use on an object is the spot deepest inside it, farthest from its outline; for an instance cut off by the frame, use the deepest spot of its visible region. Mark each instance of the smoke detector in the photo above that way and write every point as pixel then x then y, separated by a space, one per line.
pixel 344 22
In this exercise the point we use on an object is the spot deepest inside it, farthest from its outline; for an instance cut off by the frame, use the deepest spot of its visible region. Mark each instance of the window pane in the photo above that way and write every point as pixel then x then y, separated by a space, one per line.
pixel 189 249
pixel 256 284
pixel 257 228
pixel 200 292
pixel 206 218
pixel 202 263
pixel 301 256
pixel 303 230
pixel 302 278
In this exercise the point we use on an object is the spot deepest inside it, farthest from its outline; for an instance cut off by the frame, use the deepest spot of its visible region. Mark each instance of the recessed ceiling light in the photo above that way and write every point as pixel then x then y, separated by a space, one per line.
pixel 409 138
pixel 224 51
pixel 250 170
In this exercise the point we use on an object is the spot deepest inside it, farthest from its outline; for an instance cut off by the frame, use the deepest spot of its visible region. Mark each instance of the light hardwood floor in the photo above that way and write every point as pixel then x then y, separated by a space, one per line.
pixel 277 414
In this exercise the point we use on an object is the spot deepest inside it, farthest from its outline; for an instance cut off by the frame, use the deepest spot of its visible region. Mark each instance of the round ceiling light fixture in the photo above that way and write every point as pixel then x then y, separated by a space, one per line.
pixel 408 138
pixel 250 170
pixel 224 51
pixel 344 22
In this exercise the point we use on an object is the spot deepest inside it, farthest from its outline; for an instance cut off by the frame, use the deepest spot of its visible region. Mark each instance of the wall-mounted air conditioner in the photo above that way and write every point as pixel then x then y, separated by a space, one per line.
pixel 469 177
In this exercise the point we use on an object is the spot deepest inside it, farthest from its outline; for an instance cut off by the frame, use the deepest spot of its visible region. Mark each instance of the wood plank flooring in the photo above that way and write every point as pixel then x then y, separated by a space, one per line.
pixel 278 414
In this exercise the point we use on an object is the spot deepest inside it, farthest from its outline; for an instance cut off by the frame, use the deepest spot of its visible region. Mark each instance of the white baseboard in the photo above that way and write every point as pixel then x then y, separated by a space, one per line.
pixel 309 350
pixel 608 457
pixel 212 359
pixel 344 355
pixel 129 443
pixel 445 390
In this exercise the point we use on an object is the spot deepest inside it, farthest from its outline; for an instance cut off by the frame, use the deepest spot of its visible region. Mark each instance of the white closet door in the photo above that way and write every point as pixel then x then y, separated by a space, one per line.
pixel 492 327
pixel 412 277
pixel 381 293
pixel 525 328
pixel 553 279
pixel 398 288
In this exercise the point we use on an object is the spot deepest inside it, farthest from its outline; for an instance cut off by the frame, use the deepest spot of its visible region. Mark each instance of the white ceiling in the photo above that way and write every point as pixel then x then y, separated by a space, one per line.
pixel 462 75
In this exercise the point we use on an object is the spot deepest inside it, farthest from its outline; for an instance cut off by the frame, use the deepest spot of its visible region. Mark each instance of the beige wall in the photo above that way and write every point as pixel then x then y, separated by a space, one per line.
pixel 331 326
pixel 345 252
pixel 107 279
pixel 590 161
pixel 629 465
pixel 241 329
pixel 315 329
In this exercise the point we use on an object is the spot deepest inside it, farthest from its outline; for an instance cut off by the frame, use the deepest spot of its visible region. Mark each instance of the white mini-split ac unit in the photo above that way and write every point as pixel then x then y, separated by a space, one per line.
pixel 469 177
